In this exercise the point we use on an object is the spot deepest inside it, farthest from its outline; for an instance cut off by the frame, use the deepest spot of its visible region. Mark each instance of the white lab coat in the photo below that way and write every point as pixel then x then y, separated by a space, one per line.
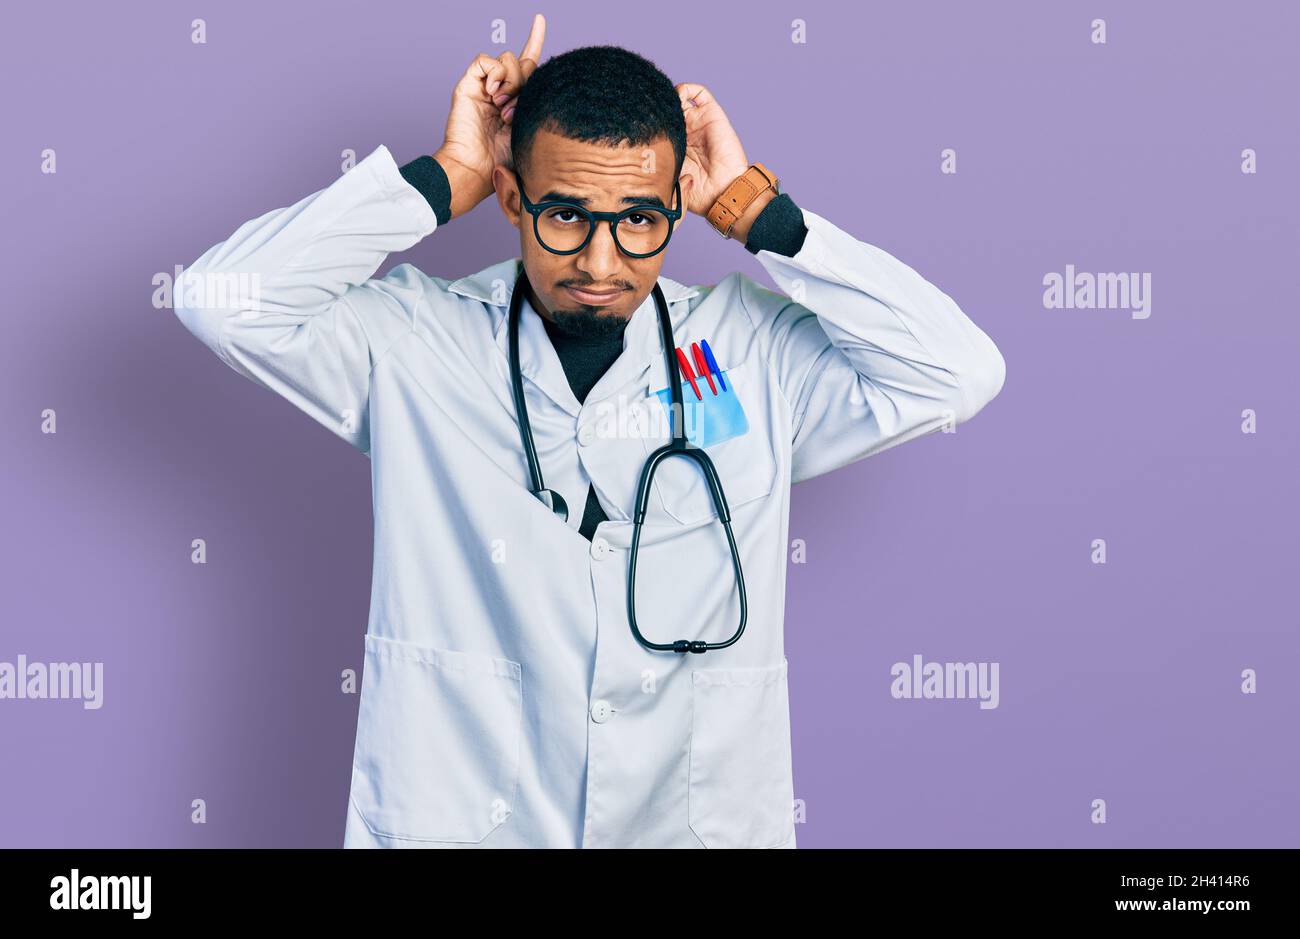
pixel 505 702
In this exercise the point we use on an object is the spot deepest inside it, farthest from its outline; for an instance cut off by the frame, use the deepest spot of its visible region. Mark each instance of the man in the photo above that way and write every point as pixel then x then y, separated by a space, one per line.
pixel 506 701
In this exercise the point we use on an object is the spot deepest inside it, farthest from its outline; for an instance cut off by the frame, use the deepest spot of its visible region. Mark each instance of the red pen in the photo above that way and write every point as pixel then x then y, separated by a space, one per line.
pixel 690 376
pixel 703 366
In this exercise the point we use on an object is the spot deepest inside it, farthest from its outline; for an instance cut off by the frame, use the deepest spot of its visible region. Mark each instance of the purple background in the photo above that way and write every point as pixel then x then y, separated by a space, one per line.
pixel 1118 682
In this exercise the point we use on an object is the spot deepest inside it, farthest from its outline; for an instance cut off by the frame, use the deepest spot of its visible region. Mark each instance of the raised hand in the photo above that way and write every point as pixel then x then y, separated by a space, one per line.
pixel 477 138
pixel 714 155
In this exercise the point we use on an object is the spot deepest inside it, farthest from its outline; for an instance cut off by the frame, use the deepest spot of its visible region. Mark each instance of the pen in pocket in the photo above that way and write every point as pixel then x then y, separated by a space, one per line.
pixel 688 374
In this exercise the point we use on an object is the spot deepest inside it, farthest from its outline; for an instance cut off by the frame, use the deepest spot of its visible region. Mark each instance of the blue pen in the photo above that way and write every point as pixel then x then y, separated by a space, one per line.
pixel 713 363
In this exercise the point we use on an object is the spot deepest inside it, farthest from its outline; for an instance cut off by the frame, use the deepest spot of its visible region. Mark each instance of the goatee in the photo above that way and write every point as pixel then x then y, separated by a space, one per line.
pixel 589 323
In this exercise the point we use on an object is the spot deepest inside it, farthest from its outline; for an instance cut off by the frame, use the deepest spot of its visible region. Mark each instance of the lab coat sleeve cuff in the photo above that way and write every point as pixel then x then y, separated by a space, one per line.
pixel 397 188
pixel 815 255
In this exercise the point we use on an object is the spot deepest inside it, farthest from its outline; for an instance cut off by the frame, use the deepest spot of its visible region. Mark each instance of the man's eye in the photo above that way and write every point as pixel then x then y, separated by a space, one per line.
pixel 565 216
pixel 637 219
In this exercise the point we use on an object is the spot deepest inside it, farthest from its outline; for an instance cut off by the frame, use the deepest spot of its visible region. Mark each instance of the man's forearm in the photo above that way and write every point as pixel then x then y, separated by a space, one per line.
pixel 740 230
pixel 777 226
pixel 429 177
pixel 449 188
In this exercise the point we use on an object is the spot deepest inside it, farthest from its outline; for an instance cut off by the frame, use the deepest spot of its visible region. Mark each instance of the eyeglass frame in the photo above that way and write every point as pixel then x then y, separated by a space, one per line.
pixel 535 209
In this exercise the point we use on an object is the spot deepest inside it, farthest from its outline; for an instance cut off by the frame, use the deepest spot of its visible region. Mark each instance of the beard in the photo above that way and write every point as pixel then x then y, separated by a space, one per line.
pixel 589 323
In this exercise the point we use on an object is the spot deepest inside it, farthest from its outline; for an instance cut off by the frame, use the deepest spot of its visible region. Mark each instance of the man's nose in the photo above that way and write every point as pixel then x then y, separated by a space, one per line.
pixel 601 259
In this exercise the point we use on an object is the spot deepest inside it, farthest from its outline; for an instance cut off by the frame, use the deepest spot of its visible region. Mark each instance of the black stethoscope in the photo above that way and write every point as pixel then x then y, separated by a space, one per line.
pixel 677 446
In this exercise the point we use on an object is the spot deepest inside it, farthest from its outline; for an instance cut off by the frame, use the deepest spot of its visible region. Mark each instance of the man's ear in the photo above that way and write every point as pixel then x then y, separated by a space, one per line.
pixel 507 189
pixel 687 183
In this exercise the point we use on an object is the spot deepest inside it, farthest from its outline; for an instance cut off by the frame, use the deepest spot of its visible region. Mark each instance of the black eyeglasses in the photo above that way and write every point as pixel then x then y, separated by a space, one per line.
pixel 640 231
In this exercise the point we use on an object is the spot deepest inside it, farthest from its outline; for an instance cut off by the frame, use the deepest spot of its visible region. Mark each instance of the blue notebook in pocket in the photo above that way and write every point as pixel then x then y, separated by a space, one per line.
pixel 712 420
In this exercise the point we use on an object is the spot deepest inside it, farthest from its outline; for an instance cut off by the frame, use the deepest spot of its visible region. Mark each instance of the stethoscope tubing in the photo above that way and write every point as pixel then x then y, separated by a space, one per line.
pixel 677 446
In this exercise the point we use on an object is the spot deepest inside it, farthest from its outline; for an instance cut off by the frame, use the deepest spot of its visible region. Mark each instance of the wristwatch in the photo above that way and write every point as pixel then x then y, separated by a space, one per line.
pixel 737 197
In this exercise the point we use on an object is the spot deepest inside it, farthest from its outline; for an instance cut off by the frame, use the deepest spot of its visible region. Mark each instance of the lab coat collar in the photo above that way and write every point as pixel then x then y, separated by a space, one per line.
pixel 538 360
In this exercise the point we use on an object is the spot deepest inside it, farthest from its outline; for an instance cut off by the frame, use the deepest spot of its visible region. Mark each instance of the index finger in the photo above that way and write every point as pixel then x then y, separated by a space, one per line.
pixel 532 53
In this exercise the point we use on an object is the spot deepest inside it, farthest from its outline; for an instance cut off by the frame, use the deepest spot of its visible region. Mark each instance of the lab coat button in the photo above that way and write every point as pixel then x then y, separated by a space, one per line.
pixel 601 710
pixel 587 434
pixel 599 548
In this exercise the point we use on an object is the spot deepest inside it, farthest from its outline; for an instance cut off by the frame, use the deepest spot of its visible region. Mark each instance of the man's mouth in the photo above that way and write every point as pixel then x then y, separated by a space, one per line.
pixel 594 297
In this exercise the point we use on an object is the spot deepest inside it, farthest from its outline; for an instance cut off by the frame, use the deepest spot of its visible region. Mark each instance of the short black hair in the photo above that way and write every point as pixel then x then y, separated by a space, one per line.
pixel 599 94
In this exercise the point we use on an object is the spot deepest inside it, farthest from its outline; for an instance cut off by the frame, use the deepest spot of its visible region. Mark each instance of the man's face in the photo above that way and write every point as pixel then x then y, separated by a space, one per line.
pixel 594 291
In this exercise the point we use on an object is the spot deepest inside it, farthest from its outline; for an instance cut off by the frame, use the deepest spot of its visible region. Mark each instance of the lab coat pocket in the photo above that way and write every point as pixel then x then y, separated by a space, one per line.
pixel 731 428
pixel 741 789
pixel 438 738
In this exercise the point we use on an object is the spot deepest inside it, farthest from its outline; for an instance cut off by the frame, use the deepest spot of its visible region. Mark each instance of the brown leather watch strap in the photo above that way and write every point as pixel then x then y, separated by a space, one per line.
pixel 737 197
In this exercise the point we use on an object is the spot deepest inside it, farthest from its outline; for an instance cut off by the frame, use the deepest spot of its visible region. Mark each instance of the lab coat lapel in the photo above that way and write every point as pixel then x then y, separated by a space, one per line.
pixel 538 361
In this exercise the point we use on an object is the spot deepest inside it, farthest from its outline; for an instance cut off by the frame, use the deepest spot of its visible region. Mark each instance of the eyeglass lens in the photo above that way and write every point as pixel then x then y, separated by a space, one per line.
pixel 561 228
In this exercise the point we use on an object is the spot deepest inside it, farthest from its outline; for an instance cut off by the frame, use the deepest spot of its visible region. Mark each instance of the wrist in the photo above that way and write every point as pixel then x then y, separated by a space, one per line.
pixel 740 230
pixel 730 174
pixel 468 188
pixel 740 203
